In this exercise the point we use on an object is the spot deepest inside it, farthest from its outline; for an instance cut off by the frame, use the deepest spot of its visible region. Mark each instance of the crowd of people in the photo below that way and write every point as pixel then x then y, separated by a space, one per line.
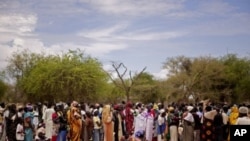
pixel 123 121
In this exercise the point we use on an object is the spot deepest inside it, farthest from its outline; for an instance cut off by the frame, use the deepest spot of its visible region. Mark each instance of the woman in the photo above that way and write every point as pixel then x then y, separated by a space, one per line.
pixel 107 117
pixel 56 124
pixel 233 116
pixel 173 122
pixel 89 126
pixel 11 123
pixel 207 131
pixel 28 127
pixel 129 119
pixel 188 125
pixel 75 122
pixel 62 131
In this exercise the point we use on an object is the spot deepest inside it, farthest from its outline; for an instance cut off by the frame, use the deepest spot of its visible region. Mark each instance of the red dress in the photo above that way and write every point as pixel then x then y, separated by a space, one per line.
pixel 55 127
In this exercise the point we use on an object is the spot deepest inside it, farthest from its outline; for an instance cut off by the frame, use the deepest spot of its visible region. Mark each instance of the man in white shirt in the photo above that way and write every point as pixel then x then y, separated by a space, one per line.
pixel 243 116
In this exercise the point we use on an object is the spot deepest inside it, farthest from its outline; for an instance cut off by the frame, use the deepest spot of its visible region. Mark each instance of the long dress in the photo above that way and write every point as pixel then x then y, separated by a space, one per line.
pixel 129 119
pixel 28 127
pixel 47 117
pixel 188 131
pixel 89 126
pixel 75 124
pixel 11 124
pixel 149 128
pixel 140 123
pixel 108 127
pixel 207 131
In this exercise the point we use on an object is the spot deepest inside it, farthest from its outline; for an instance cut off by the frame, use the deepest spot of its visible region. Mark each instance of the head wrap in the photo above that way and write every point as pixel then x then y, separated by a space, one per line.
pixel 189 108
pixel 27 115
pixel 243 110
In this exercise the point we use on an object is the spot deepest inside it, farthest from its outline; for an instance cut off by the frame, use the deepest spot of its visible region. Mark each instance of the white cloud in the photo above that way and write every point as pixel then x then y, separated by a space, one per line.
pixel 135 7
pixel 151 35
pixel 161 75
pixel 20 24
pixel 121 33
pixel 100 33
pixel 94 49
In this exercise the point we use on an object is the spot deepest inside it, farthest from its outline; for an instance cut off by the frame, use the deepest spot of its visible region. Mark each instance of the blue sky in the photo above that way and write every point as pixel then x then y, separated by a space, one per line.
pixel 138 33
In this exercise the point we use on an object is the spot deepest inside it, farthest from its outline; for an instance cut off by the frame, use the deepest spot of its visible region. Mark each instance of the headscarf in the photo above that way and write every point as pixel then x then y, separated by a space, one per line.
pixel 27 115
pixel 106 113
pixel 233 115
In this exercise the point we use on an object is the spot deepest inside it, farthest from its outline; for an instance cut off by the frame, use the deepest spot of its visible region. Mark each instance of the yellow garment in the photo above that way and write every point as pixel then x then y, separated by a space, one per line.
pixel 75 124
pixel 233 115
pixel 107 123
pixel 155 107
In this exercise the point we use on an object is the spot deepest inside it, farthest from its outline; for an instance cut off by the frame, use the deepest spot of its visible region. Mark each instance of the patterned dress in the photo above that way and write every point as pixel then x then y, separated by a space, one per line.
pixel 129 119
pixel 207 131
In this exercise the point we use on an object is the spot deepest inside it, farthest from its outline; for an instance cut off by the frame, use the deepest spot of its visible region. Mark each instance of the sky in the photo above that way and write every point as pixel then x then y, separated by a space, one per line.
pixel 138 33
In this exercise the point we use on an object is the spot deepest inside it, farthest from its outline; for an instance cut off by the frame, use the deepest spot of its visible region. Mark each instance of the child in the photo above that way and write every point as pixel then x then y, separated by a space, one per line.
pixel 19 130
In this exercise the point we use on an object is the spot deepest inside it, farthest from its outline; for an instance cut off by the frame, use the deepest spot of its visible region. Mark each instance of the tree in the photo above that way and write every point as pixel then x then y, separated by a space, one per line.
pixel 19 65
pixel 199 78
pixel 125 84
pixel 146 89
pixel 71 76
pixel 3 88
pixel 237 71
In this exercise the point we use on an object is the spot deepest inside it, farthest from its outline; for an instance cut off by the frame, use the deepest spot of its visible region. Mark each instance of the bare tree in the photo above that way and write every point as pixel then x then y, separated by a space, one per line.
pixel 121 70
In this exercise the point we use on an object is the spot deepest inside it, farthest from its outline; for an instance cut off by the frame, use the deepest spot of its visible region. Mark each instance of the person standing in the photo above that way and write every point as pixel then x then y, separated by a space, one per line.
pixel 28 127
pixel 107 117
pixel 74 119
pixel 11 123
pixel 97 127
pixel 225 123
pixel 207 131
pixel 197 126
pixel 243 116
pixel 161 122
pixel 89 127
pixel 47 118
pixel 20 130
pixel 56 124
pixel 188 125
pixel 129 119
pixel 62 133
pixel 218 125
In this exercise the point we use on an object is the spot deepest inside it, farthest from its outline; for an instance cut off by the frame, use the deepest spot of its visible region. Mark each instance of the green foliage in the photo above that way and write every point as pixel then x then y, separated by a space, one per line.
pixel 220 79
pixel 238 77
pixel 70 76
pixel 145 89
pixel 3 88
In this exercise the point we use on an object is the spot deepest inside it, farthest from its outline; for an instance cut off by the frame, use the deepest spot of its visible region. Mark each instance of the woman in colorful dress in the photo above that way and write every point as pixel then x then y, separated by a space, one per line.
pixel 207 131
pixel 107 117
pixel 28 127
pixel 75 122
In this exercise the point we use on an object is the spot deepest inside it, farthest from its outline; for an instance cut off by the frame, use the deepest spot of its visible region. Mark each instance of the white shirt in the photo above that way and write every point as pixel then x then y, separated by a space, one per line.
pixel 189 117
pixel 161 120
pixel 243 121
pixel 96 119
pixel 225 118
pixel 19 136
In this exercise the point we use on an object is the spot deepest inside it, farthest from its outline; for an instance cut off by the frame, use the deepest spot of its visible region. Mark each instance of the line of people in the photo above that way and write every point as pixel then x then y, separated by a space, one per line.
pixel 120 122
